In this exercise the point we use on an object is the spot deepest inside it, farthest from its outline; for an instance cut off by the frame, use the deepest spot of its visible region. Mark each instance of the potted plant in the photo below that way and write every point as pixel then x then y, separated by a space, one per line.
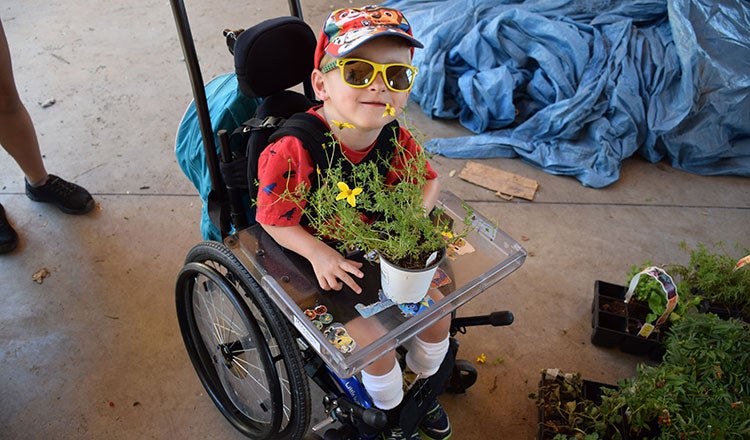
pixel 570 408
pixel 721 280
pixel 635 318
pixel 700 390
pixel 358 210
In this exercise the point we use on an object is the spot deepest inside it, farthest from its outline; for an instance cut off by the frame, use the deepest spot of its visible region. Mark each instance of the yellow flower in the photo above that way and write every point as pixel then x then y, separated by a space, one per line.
pixel 482 358
pixel 341 125
pixel 348 194
pixel 447 233
pixel 389 111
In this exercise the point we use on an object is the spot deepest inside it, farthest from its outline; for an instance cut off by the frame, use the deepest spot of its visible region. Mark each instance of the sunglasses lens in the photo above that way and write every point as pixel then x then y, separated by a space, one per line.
pixel 358 73
pixel 399 77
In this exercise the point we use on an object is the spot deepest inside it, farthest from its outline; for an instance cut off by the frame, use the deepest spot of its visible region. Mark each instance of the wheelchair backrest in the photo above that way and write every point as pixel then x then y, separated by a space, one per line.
pixel 270 58
pixel 273 56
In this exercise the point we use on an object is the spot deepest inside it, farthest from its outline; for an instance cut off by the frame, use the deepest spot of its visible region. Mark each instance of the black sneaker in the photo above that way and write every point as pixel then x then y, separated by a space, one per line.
pixel 69 197
pixel 8 235
pixel 435 424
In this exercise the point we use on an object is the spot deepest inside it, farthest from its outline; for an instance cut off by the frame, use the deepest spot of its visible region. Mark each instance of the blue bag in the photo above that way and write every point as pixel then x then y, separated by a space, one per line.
pixel 228 109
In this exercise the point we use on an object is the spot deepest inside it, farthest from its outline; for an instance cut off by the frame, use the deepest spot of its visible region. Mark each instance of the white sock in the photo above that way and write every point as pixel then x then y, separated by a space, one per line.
pixel 386 390
pixel 425 357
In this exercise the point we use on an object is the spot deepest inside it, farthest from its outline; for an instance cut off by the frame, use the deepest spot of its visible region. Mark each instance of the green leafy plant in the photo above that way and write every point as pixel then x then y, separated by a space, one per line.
pixel 713 276
pixel 568 413
pixel 355 207
pixel 701 389
pixel 649 292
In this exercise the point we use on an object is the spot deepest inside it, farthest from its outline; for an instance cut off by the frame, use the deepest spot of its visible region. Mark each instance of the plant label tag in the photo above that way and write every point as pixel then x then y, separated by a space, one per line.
pixel 646 330
pixel 667 285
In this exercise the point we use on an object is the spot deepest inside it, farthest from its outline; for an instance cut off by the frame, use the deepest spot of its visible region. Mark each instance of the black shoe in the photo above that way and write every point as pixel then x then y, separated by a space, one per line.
pixel 435 425
pixel 8 236
pixel 69 197
pixel 397 434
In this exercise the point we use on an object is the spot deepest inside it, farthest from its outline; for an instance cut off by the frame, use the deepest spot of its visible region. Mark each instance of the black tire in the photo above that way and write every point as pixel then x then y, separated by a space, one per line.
pixel 273 401
pixel 464 376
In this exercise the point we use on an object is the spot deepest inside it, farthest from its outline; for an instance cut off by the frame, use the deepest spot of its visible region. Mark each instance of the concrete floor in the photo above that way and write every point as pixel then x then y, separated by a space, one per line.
pixel 95 351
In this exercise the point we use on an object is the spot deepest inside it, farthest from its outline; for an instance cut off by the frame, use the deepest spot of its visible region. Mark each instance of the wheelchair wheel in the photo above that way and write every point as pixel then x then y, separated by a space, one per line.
pixel 463 377
pixel 243 350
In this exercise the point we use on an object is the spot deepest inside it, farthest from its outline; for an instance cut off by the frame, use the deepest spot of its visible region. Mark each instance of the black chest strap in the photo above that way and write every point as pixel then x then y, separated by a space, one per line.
pixel 314 134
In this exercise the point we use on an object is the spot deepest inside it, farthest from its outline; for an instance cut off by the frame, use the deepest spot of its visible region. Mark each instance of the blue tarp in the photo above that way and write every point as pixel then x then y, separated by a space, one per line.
pixel 576 86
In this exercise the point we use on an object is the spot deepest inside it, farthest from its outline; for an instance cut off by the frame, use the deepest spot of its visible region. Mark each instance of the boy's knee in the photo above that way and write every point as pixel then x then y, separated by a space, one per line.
pixel 425 357
pixel 385 389
pixel 437 331
pixel 382 365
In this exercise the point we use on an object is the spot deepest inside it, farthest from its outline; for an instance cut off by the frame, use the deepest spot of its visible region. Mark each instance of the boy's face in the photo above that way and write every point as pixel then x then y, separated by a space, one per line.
pixel 364 107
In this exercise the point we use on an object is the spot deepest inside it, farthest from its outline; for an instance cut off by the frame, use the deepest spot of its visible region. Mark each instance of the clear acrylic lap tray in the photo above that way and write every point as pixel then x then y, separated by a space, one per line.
pixel 291 284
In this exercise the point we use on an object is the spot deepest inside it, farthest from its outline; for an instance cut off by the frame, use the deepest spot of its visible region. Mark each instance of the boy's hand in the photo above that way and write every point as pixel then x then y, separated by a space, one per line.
pixel 333 270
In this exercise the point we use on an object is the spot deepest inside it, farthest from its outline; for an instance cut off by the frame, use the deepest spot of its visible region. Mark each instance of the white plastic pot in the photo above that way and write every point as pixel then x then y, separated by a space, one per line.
pixel 406 285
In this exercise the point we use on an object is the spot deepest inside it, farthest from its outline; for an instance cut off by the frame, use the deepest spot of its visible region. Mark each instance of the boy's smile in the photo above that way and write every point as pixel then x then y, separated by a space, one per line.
pixel 365 107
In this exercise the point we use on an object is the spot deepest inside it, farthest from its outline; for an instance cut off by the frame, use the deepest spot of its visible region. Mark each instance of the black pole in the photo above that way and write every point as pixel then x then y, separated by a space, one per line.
pixel 235 194
pixel 199 94
pixel 295 9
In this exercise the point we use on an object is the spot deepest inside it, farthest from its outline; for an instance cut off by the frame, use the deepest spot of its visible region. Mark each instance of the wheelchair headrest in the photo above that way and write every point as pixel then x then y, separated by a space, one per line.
pixel 273 55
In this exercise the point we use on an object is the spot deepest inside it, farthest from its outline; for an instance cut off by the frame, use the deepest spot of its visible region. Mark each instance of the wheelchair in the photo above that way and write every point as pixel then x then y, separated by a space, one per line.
pixel 244 304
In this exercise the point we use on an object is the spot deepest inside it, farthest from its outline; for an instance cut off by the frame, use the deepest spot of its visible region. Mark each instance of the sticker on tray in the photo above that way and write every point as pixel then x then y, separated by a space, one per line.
pixel 319 316
pixel 458 248
pixel 373 309
pixel 440 279
pixel 340 338
pixel 407 309
pixel 413 309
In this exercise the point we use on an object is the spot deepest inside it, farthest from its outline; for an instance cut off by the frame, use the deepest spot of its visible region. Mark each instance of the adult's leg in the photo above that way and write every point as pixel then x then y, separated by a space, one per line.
pixel 17 133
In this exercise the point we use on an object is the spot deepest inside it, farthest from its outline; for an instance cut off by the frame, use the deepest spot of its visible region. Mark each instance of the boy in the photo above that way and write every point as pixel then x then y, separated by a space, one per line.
pixel 362 74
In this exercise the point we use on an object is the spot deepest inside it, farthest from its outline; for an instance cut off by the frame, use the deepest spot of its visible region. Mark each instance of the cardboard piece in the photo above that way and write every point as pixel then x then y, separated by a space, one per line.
pixel 506 185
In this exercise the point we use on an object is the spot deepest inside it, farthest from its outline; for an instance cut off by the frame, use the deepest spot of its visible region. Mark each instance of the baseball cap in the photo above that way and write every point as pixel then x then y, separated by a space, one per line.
pixel 346 29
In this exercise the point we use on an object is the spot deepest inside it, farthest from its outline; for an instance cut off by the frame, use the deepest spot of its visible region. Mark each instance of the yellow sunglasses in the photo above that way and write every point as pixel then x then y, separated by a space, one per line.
pixel 359 73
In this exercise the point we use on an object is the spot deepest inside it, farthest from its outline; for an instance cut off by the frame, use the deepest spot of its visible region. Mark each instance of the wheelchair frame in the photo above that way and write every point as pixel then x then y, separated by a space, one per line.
pixel 253 362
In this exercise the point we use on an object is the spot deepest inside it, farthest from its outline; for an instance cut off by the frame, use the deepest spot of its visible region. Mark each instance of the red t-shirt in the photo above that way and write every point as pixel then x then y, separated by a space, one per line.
pixel 287 162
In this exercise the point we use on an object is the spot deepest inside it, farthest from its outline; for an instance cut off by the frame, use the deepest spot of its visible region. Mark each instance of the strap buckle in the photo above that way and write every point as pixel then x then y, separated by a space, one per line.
pixel 268 122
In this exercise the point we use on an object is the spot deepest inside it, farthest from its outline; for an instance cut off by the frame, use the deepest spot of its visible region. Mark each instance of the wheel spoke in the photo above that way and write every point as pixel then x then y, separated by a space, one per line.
pixel 237 363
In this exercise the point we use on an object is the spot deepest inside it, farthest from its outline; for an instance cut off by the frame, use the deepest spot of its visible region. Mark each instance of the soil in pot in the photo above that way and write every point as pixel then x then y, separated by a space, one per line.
pixel 612 305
